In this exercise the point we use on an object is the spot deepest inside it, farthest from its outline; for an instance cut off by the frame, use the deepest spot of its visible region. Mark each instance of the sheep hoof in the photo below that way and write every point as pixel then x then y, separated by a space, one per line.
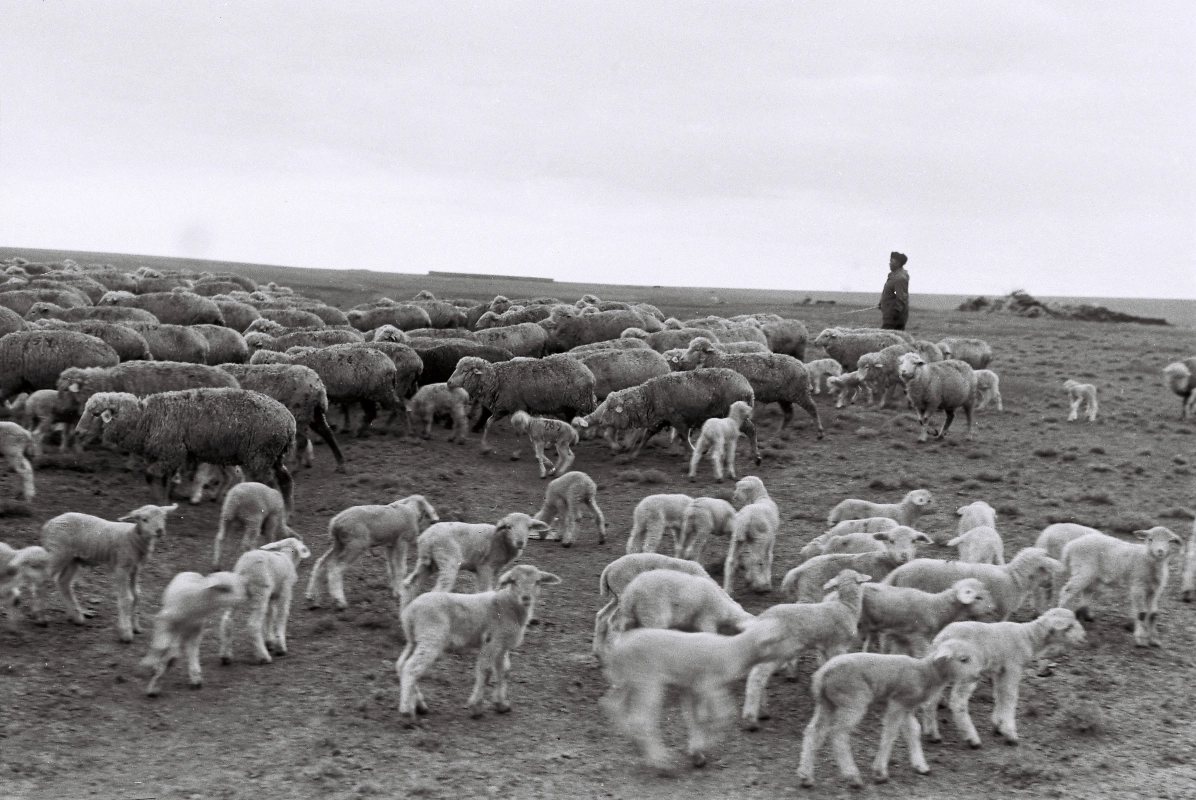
pixel 751 725
pixel 698 760
pixel 1187 597
pixel 976 745
pixel 1011 742
pixel 126 638
pixel 878 778
pixel 409 721
pixel 806 781
pixel 152 693
pixel 477 713
pixel 502 708
pixel 87 615
pixel 566 544
pixel 225 660
pixel 198 685
pixel 533 621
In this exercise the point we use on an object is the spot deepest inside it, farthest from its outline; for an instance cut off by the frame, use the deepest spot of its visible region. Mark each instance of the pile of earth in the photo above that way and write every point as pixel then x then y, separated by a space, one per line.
pixel 1025 305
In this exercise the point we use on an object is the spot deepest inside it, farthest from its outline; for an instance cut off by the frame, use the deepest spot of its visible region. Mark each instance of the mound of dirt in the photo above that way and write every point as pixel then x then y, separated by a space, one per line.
pixel 1026 305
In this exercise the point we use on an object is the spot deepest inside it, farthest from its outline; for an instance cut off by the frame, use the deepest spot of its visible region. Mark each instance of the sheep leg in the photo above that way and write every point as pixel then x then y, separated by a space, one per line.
pixel 226 639
pixel 486 431
pixel 1188 580
pixel 950 412
pixel 369 411
pixel 913 740
pixel 124 608
pixel 66 586
pixel 1075 410
pixel 256 623
pixel 729 565
pixel 319 424
pixel 161 662
pixel 653 536
pixel 930 717
pixel 285 485
pixel 500 669
pixel 282 615
pixel 1005 690
pixel 396 560
pixel 191 651
pixel 755 698
pixel 135 590
pixel 716 461
pixel 691 714
pixel 541 459
pixel 411 666
pixel 22 467
pixel 732 446
pixel 891 727
pixel 593 505
pixel 602 625
pixel 808 406
pixel 924 422
pixel 961 695
pixel 786 411
pixel 310 595
pixel 447 578
pixel 967 413
pixel 564 459
pixel 1072 591
pixel 642 722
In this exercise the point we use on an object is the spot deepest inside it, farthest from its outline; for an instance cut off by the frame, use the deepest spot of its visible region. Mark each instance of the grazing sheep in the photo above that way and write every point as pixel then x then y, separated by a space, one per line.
pixel 237 316
pixel 32 360
pixel 174 342
pixel 820 371
pixel 720 437
pixel 492 622
pixel 803 583
pixel 1180 379
pixel 976 514
pixel 566 331
pixel 268 575
pixel 189 600
pixel 280 340
pixel 395 527
pixel 542 432
pixel 753 536
pixel 654 516
pixel 943 385
pixel 524 339
pixel 906 620
pixel 257 512
pixel 404 316
pixel 446 548
pixel 668 598
pixel 441 356
pixel 1096 559
pixel 1005 650
pixel 850 387
pixel 848 684
pixel 515 315
pixel 980 545
pixel 846 345
pixel 566 499
pixel 988 389
pixel 907 512
pixel 226 427
pixel 975 352
pixel 668 339
pixel 1081 394
pixel 140 378
pixel 22 573
pixel 703 517
pixel 441 314
pixel 225 346
pixel 436 399
pixel 171 308
pixel 291 317
pixel 76 540
pixel 643 665
pixel 16 444
pixel 829 627
pixel 128 343
pixel 621 369
pixel 621 572
pixel 116 314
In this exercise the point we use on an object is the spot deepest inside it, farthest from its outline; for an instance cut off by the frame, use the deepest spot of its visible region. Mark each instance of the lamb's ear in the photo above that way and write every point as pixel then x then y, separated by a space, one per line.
pixel 956 542
pixel 169 508
pixel 1142 534
pixel 548 577
pixel 833 583
pixel 538 525
pixel 923 537
pixel 506 579
pixel 863 578
pixel 881 536
pixel 966 595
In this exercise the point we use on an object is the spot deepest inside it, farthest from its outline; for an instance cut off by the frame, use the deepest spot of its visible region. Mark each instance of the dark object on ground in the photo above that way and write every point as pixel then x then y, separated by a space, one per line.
pixel 1024 305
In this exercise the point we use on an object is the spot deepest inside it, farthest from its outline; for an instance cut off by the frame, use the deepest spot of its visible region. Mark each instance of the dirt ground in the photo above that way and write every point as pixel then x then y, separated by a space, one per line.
pixel 1111 721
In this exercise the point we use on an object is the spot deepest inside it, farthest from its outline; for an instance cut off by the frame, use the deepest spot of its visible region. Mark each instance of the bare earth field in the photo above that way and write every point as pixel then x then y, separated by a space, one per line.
pixel 1111 721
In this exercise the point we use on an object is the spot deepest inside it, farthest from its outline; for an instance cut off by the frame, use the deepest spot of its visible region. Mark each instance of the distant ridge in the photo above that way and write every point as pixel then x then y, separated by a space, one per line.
pixel 482 276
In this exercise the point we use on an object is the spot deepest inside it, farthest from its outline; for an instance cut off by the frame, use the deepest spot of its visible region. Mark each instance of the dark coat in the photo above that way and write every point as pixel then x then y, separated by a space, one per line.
pixel 894 300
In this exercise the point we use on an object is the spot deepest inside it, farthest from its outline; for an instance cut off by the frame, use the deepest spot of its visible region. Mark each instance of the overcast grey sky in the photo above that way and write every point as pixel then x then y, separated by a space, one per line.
pixel 1041 145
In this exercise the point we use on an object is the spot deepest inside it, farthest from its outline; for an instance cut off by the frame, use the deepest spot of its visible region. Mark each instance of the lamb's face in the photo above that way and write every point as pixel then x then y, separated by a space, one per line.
pixel 1160 542
pixel 754 558
pixel 922 498
pixel 748 490
pixel 1064 626
pixel 960 658
pixel 525 581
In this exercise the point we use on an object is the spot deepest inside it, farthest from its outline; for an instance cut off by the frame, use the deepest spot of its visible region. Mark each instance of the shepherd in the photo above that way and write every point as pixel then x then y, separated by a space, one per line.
pixel 894 298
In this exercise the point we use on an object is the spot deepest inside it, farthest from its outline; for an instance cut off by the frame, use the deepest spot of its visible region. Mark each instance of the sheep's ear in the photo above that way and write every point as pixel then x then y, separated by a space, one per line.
pixel 863 578
pixel 169 508
pixel 966 595
pixel 507 579
pixel 106 415
pixel 537 525
pixel 955 542
pixel 1175 538
pixel 923 537
pixel 547 577
pixel 881 536
pixel 74 387
pixel 833 583
pixel 1142 534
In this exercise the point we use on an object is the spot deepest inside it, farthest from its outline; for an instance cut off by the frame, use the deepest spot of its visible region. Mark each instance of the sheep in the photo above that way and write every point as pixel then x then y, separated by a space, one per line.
pixel 785 336
pixel 703 517
pixel 568 331
pixel 980 545
pixel 268 575
pixel 524 339
pixel 846 345
pixel 622 571
pixel 906 620
pixel 830 627
pixel 928 350
pixel 879 371
pixel 284 339
pixel 76 540
pixel 21 300
pixel 1081 394
pixel 128 343
pixel 850 387
pixel 441 356
pixel 668 598
pixel 753 535
pixel 1179 379
pixel 621 369
pixel 32 360
pixel 945 385
pixel 820 371
pixel 774 378
pixel 729 332
pixel 1005 649
pixel 441 314
pixel 610 344
pixel 141 378
pixel 975 352
pixel 565 498
pixel 907 512
pixel 225 346
pixel 10 321
pixel 542 432
pixel 435 399
pixel 516 315
pixel 171 308
pixel 404 316
pixel 1053 539
pixel 18 445
pixel 556 384
pixel 858 542
pixel 682 400
pixel 174 342
pixel 188 601
pixel 974 515
pixel 300 389
pixel 22 573
pixel 1097 559
pixel 988 389
pixel 654 516
pixel 291 317
pixel 388 333
pixel 395 527
pixel 643 665
pixel 237 316
pixel 116 314
pixel 668 339
pixel 493 622
pixel 720 437
pixel 1010 583
pixel 845 686
pixel 216 426
pixel 446 548
pixel 447 333
pixel 256 511
pixel 864 525
pixel 803 583
pixel 161 283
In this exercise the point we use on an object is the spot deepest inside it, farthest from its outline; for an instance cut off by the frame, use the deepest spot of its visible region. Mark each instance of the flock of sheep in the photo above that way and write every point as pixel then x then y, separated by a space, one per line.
pixel 211 379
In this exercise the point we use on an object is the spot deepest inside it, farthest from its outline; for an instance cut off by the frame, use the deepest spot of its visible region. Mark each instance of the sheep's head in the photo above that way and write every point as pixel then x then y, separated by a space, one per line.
pixel 417 503
pixel 756 564
pixel 470 373
pixel 525 581
pixel 1160 542
pixel 958 658
pixel 150 519
pixel 104 407
pixel 1063 625
pixel 424 294
pixel 257 340
pixel 1179 377
pixel 517 527
pixel 909 364
pixel 113 298
pixel 844 578
pixel 633 333
pixel 920 499
pixel 901 543
pixel 700 351
pixel 291 546
pixel 740 411
pixel 44 310
pixel 499 304
pixel 972 593
pixel 614 412
pixel 827 337
pixel 749 490
pixel 520 420
pixel 389 333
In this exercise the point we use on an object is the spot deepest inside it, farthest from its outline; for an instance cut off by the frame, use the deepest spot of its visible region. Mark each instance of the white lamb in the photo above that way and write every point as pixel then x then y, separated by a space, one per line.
pixel 543 431
pixel 567 499
pixel 1081 394
pixel 437 399
pixel 655 515
pixel 76 540
pixel 666 598
pixel 1180 378
pixel 804 582
pixel 988 389
pixel 15 444
pixel 268 574
pixel 753 535
pixel 254 510
pixel 847 543
pixel 907 512
pixel 820 371
pixel 973 515
pixel 1188 584
pixel 817 546
pixel 189 600
pixel 905 620
pixel 1096 559
pixel 850 387
pixel 703 518
pixel 720 437
pixel 22 573
pixel 980 545
pixel 622 571
pixel 1053 539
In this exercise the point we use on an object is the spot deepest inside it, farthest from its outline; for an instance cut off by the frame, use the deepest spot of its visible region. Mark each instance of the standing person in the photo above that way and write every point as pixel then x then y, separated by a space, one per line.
pixel 894 298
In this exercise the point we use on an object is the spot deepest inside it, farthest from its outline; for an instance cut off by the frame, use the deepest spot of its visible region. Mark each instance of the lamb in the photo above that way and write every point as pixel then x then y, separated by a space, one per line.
pixel 858 542
pixel 803 583
pixel 1097 559
pixel 980 545
pixel 945 385
pixel 667 598
pixel 188 601
pixel 846 345
pixel 820 371
pixel 542 432
pixel 32 360
pixel 850 387
pixel 975 352
pixel 642 665
pixel 1053 539
pixel 720 437
pixel 621 572
pixel 216 426
pixel 15 444
pixel 22 573
pixel 1180 379
pixel 906 620
pixel 436 399
pixel 753 535
pixel 565 499
pixel 395 526
pixel 556 384
pixel 1081 394
pixel 654 516
pixel 988 389
pixel 493 622
pixel 171 308
pixel 76 540
pixel 256 511
pixel 703 517
pixel 864 525
pixel 976 514
pixel 1010 584
pixel 907 512
pixel 268 575
pixel 621 369
pixel 1188 584
pixel 845 686
pixel 486 550
pixel 1005 649
pixel 830 627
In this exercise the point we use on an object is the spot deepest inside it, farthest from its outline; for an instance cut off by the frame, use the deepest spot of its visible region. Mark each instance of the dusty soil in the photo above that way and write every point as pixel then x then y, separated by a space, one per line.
pixel 1112 721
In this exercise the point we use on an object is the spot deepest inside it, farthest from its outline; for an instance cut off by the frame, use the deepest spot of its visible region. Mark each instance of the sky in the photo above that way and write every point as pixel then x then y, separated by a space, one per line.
pixel 1011 144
